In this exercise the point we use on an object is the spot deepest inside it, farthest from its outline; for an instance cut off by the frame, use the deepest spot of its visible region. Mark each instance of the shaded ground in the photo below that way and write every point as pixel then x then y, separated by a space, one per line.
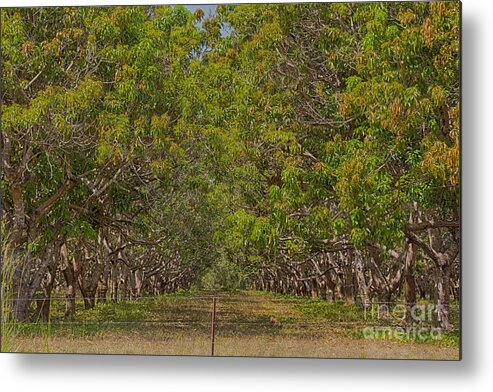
pixel 247 324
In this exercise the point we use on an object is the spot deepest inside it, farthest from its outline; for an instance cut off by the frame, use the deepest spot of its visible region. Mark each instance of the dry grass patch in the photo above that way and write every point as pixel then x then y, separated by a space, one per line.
pixel 258 346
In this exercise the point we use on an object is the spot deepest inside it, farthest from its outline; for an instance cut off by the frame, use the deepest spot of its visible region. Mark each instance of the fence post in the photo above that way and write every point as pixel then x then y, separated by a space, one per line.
pixel 213 324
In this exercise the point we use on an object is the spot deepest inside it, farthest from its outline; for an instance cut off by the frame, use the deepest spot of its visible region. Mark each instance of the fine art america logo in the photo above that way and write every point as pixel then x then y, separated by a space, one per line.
pixel 418 321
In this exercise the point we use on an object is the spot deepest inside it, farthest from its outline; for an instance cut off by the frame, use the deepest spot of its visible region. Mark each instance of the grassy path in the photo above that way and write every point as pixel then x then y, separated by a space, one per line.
pixel 248 324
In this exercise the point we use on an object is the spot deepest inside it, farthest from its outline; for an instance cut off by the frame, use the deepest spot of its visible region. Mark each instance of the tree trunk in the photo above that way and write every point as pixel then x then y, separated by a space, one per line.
pixel 22 300
pixel 114 279
pixel 138 279
pixel 313 288
pixel 104 265
pixel 68 271
pixel 443 292
pixel 360 277
pixel 123 283
pixel 88 273
pixel 331 287
pixel 43 304
pixel 28 274
pixel 409 281
pixel 348 279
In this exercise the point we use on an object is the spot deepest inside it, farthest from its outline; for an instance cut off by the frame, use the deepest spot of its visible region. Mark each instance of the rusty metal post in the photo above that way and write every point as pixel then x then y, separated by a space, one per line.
pixel 213 325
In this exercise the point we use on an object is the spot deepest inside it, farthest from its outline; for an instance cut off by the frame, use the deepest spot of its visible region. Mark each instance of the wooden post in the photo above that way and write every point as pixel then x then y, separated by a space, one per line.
pixel 213 324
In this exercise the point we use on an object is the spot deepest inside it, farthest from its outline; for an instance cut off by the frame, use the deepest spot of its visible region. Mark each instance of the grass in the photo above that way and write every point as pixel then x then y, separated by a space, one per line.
pixel 248 324
pixel 8 328
pixel 258 346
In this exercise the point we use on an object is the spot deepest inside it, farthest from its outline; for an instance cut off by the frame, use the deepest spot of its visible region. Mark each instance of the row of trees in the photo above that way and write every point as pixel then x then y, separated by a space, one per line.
pixel 100 193
pixel 312 150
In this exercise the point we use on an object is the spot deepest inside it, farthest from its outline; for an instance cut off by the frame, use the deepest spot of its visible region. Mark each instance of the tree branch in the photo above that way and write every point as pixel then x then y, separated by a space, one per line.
pixel 43 208
pixel 423 245
pixel 431 225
